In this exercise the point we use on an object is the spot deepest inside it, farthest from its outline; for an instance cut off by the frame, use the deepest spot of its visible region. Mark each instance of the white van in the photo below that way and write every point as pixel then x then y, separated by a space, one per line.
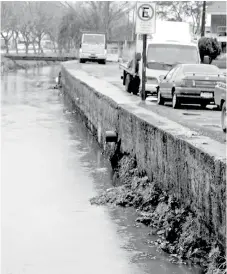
pixel 93 48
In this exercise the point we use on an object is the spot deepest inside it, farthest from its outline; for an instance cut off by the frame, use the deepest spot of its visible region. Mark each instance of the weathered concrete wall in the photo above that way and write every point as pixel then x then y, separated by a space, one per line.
pixel 177 159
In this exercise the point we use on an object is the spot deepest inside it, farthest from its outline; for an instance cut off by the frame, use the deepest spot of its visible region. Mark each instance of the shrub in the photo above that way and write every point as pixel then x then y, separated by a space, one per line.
pixel 210 47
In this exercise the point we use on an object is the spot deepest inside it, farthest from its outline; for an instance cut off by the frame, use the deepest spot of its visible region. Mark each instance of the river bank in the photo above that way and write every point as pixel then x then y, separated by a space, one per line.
pixel 10 65
pixel 178 228
pixel 174 181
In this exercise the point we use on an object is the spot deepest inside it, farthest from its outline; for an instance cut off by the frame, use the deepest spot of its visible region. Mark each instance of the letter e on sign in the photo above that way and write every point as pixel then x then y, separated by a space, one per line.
pixel 145 12
pixel 145 18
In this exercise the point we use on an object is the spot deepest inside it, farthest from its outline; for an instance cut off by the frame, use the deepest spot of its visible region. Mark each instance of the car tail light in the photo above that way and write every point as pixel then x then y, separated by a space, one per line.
pixel 188 83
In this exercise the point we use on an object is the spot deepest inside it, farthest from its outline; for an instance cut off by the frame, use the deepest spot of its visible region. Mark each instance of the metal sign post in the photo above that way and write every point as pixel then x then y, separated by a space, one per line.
pixel 143 91
pixel 145 24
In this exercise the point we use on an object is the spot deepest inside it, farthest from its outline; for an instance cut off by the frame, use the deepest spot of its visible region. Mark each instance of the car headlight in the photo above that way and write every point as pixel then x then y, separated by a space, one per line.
pixel 160 78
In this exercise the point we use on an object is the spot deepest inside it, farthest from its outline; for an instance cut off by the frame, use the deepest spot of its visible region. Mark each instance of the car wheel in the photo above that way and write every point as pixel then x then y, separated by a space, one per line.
pixel 103 62
pixel 135 91
pixel 223 117
pixel 218 107
pixel 175 101
pixel 160 99
pixel 128 83
pixel 135 85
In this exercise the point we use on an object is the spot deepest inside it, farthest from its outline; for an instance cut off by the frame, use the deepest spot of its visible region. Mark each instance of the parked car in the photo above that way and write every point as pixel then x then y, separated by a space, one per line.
pixel 220 99
pixel 189 84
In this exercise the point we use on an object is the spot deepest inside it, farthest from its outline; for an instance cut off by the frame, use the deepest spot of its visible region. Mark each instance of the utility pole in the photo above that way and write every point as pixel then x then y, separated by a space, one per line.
pixel 203 19
pixel 134 22
pixel 143 91
pixel 128 38
pixel 145 25
pixel 106 18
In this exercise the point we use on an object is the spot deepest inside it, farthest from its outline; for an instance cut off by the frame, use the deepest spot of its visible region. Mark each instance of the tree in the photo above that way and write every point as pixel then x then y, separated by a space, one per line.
pixel 171 10
pixel 194 11
pixel 43 14
pixel 52 29
pixel 69 31
pixel 112 12
pixel 39 21
pixel 180 11
pixel 209 47
pixel 7 18
pixel 15 24
pixel 25 23
pixel 30 19
pixel 88 13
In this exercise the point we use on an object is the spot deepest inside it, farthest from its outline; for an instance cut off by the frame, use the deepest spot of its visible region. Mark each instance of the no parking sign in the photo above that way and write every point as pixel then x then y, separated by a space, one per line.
pixel 145 18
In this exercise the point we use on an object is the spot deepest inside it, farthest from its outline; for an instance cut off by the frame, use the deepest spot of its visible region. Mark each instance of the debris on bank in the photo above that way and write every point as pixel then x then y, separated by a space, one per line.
pixel 177 227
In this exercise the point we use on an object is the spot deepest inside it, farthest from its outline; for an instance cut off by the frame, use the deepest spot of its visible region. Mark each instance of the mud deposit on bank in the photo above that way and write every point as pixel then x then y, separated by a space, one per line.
pixel 177 227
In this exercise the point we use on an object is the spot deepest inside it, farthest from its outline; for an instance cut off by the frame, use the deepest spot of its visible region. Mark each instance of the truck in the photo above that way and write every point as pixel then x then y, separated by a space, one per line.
pixel 93 47
pixel 220 101
pixel 165 49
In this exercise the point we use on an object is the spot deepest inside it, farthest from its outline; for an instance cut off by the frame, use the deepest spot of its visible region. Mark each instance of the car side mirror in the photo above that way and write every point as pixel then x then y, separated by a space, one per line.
pixel 162 77
pixel 129 64
pixel 206 60
pixel 138 56
pixel 120 60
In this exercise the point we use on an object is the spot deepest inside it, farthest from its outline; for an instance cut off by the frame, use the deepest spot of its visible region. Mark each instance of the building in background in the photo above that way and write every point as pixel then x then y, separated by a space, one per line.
pixel 217 12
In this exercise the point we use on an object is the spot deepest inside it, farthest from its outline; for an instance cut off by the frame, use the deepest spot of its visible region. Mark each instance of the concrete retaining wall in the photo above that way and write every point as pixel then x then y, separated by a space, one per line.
pixel 179 161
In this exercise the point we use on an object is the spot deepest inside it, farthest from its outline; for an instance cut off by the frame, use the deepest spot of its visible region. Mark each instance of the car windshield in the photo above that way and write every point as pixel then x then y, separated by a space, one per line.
pixel 201 69
pixel 171 54
pixel 93 39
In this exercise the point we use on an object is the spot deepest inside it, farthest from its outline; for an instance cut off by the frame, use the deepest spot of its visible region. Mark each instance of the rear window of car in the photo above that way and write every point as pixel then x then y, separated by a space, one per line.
pixel 93 39
pixel 204 69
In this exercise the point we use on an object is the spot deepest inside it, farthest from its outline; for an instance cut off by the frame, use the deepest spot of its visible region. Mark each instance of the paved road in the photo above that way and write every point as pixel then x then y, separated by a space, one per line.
pixel 205 122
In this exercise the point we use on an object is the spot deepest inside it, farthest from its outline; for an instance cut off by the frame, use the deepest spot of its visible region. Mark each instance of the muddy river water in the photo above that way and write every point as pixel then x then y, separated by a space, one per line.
pixel 51 167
